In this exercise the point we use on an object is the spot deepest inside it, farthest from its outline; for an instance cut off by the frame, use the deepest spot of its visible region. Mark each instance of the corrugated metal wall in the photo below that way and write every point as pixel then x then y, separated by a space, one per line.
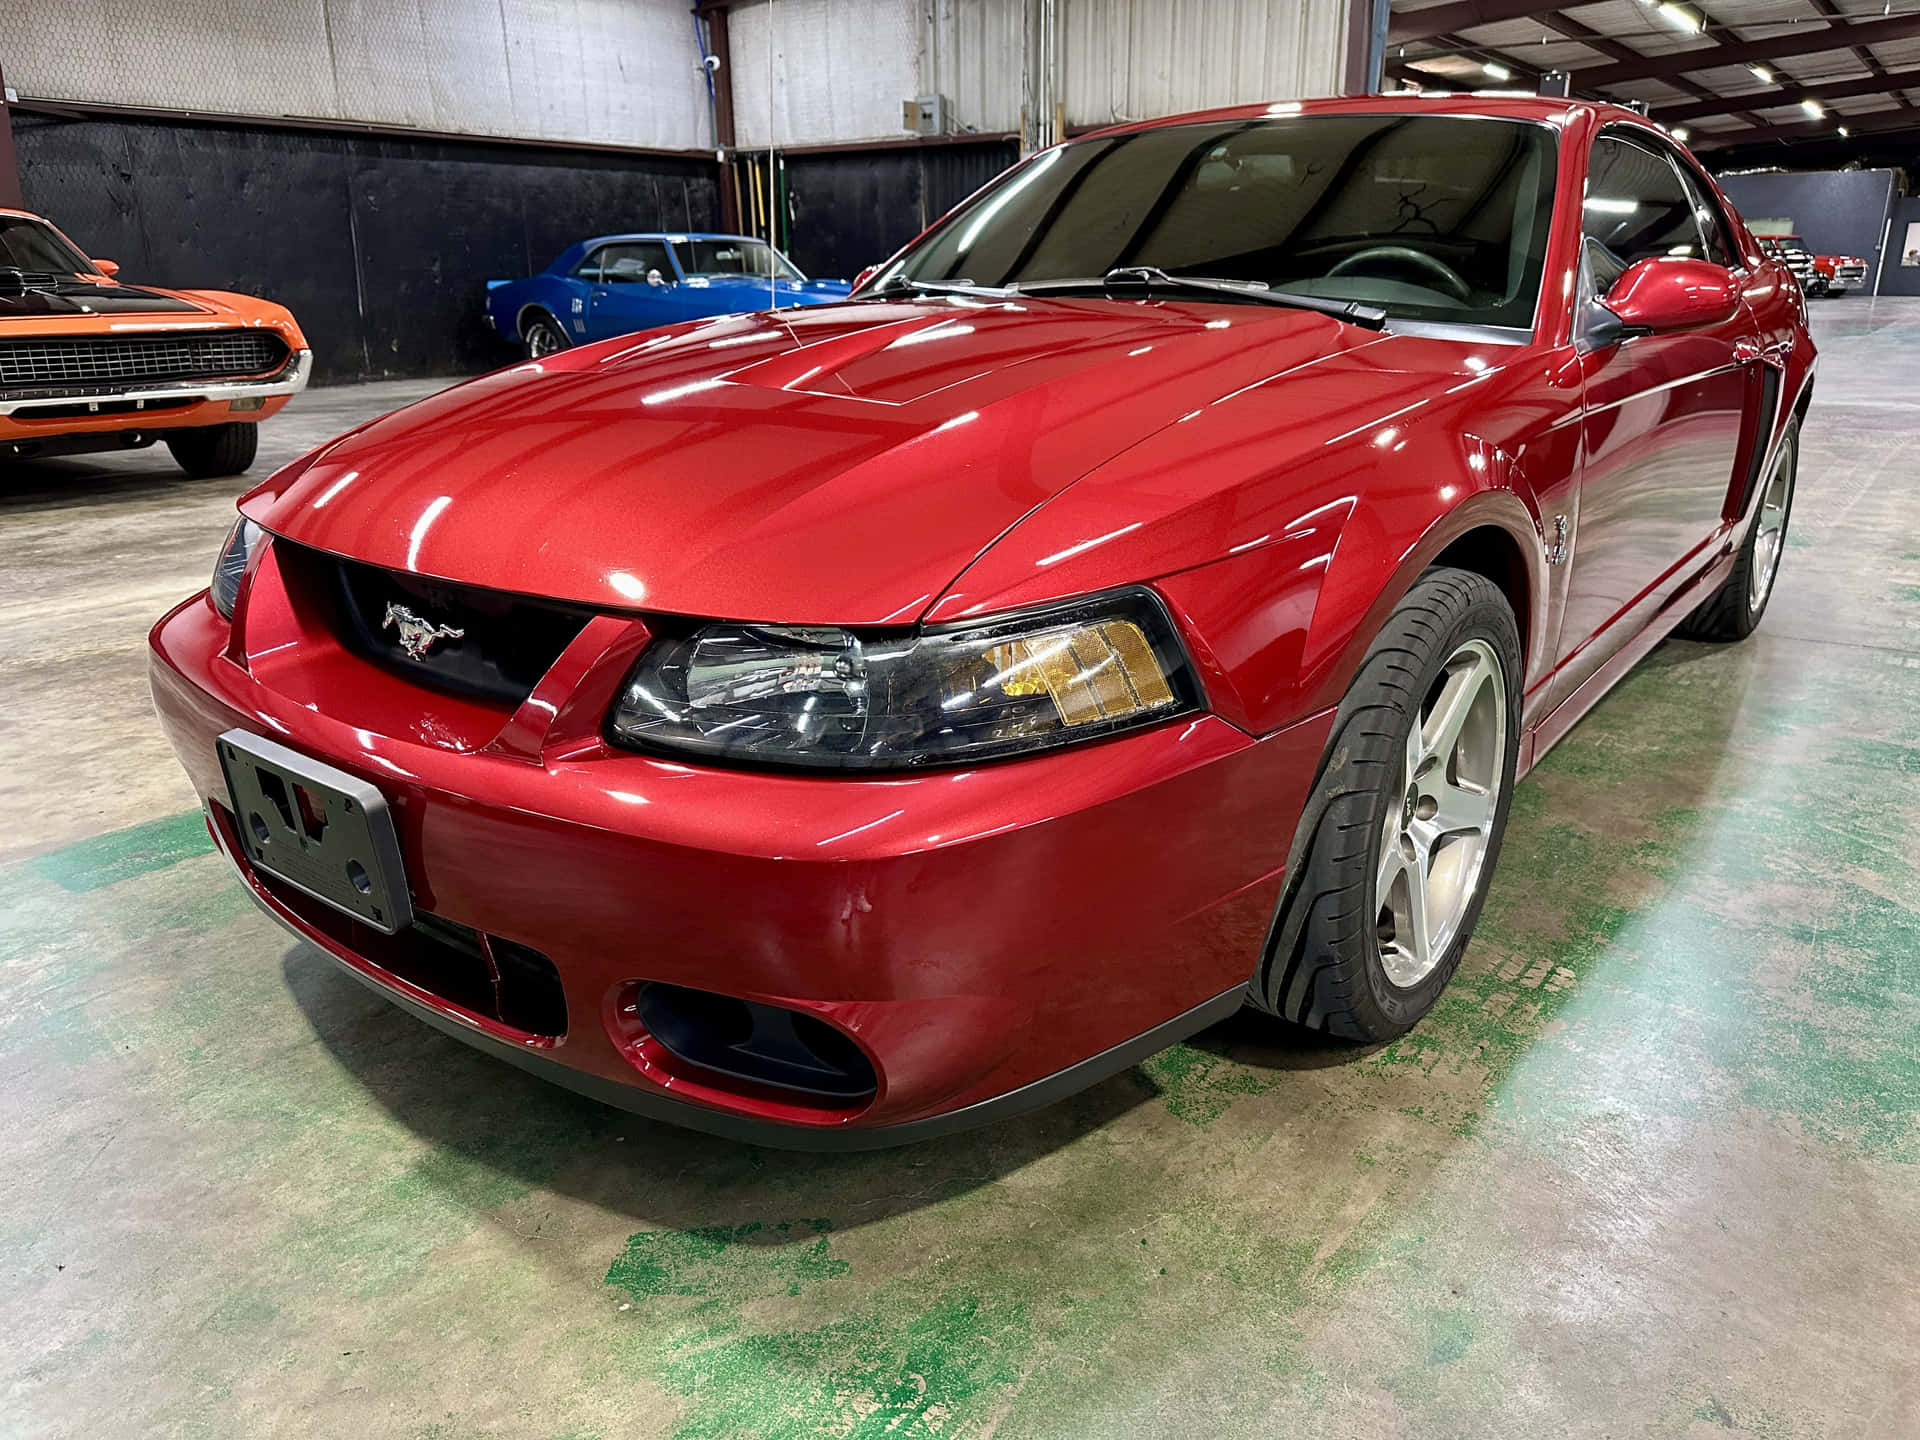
pixel 842 67
pixel 614 72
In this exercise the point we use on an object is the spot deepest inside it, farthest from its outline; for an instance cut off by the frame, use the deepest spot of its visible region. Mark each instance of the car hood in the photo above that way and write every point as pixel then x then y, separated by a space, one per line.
pixel 827 465
pixel 91 297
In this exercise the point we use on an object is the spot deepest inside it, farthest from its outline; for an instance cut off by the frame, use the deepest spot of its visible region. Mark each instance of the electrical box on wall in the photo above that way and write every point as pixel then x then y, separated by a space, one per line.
pixel 926 115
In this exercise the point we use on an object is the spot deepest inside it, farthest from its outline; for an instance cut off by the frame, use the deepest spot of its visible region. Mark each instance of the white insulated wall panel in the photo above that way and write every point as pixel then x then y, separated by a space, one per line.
pixel 616 72
pixel 841 69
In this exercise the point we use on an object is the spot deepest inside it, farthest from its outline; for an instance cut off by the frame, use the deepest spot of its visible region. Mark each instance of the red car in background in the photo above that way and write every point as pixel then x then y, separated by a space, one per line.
pixel 1841 273
pixel 1139 600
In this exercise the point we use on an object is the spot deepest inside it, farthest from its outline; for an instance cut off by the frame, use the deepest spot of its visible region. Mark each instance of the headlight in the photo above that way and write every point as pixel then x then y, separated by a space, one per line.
pixel 232 564
pixel 826 698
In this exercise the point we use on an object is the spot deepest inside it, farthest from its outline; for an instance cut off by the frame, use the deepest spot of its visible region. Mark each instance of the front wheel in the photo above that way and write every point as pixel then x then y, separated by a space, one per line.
pixel 211 451
pixel 1391 863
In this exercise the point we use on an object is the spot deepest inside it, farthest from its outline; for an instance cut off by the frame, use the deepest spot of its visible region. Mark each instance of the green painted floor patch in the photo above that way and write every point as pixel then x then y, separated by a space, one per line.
pixel 727 1263
pixel 122 854
pixel 857 1379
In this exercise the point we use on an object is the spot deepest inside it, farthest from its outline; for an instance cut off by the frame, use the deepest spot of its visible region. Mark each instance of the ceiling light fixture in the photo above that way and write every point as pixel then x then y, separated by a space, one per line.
pixel 1680 133
pixel 1762 74
pixel 1496 72
pixel 1689 22
pixel 1844 131
pixel 1813 108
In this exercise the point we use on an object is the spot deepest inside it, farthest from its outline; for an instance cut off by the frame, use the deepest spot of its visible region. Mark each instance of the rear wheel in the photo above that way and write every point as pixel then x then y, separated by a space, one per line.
pixel 543 336
pixel 1732 611
pixel 210 451
pixel 1399 842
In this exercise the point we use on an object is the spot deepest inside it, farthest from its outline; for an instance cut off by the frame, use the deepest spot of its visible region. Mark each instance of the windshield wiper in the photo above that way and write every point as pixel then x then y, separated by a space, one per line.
pixel 1150 277
pixel 945 287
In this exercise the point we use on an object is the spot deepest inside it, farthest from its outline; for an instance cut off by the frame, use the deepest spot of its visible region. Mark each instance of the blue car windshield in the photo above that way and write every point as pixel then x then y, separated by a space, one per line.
pixel 712 259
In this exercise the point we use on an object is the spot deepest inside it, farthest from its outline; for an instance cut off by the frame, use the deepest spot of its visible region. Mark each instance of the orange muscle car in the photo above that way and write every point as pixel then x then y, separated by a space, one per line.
pixel 88 364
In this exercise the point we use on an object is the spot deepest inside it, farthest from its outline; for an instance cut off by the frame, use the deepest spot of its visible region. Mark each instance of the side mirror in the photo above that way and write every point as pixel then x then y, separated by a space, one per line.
pixel 865 275
pixel 108 268
pixel 1669 293
pixel 654 277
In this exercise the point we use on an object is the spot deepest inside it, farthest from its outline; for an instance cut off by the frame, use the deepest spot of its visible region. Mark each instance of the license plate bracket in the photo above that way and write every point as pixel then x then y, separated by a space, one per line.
pixel 324 832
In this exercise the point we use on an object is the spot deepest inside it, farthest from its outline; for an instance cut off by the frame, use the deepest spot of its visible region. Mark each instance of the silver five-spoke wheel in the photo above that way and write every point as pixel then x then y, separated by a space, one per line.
pixel 1439 819
pixel 1770 527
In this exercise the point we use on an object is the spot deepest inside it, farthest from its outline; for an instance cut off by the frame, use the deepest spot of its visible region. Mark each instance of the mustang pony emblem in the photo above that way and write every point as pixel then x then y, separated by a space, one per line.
pixel 417 636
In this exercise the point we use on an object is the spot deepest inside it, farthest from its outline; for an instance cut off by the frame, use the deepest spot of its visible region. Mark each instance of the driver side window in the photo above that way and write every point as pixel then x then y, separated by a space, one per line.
pixel 627 263
pixel 1636 208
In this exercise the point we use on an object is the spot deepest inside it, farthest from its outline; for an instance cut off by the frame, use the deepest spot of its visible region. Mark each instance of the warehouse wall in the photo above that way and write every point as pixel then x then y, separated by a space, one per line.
pixel 614 72
pixel 855 208
pixel 1837 212
pixel 381 247
pixel 1902 279
pixel 841 68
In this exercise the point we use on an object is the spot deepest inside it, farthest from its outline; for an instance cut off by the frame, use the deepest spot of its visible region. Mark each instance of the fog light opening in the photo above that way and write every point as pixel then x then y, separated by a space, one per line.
pixel 761 1044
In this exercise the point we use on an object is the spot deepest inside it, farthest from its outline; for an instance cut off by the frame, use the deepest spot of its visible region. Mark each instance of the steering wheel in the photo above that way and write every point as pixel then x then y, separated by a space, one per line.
pixel 1405 257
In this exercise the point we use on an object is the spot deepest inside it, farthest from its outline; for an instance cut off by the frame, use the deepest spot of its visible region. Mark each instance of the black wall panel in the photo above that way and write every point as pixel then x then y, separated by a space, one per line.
pixel 381 247
pixel 1837 212
pixel 1901 278
pixel 854 208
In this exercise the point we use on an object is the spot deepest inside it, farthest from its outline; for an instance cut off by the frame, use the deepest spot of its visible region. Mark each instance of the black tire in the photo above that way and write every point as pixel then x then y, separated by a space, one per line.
pixel 1324 966
pixel 543 335
pixel 1732 612
pixel 211 451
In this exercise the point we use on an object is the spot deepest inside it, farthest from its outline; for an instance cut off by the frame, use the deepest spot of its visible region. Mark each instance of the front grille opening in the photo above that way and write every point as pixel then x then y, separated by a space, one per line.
pixel 486 975
pixel 36 364
pixel 762 1044
pixel 504 645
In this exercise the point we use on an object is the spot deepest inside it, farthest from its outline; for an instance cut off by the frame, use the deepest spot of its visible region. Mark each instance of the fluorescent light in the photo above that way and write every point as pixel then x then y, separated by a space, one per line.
pixel 1680 133
pixel 1496 72
pixel 1843 130
pixel 1606 206
pixel 1681 18
pixel 1762 74
pixel 1813 108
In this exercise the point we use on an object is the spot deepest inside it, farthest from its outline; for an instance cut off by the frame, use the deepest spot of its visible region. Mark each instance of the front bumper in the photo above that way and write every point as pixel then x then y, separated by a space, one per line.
pixel 990 938
pixel 161 404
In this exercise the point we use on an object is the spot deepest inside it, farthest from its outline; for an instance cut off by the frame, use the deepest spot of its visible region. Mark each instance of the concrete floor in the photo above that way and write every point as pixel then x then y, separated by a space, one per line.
pixel 1649 1169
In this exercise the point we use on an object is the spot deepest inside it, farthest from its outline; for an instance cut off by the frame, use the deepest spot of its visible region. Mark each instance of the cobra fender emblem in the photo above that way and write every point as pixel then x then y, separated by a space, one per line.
pixel 1557 546
pixel 417 636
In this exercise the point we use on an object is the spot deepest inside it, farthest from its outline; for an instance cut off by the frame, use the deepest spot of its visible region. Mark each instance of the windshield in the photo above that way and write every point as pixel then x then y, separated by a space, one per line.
pixel 710 259
pixel 35 248
pixel 1429 217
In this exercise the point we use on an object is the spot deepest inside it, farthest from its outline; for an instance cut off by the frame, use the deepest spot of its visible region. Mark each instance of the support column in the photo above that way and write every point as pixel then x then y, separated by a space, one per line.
pixel 1366 47
pixel 10 193
pixel 713 17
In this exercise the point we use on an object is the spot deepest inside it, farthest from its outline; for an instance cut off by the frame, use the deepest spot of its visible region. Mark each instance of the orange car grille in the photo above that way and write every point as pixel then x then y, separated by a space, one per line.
pixel 216 354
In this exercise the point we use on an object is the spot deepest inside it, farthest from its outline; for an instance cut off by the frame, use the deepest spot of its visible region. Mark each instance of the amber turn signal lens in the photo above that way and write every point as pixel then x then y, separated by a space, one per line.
pixel 1098 672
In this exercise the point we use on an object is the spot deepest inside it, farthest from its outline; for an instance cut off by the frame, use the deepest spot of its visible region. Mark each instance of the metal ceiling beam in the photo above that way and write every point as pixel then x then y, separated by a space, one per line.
pixel 1884 83
pixel 1586 35
pixel 1411 25
pixel 1879 123
pixel 1801 40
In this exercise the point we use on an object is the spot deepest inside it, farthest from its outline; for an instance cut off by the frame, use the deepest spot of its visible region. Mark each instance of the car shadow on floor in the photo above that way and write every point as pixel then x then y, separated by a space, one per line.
pixel 544 1135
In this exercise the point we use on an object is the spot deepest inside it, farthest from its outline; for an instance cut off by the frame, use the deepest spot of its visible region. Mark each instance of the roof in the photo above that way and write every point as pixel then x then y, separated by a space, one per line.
pixel 1502 105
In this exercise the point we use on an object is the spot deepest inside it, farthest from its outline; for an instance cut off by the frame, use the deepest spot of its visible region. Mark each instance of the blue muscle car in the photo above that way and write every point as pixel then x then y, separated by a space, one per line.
pixel 616 284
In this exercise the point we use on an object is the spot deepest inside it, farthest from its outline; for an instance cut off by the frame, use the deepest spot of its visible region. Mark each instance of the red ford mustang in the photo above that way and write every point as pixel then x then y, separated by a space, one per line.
pixel 840 726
